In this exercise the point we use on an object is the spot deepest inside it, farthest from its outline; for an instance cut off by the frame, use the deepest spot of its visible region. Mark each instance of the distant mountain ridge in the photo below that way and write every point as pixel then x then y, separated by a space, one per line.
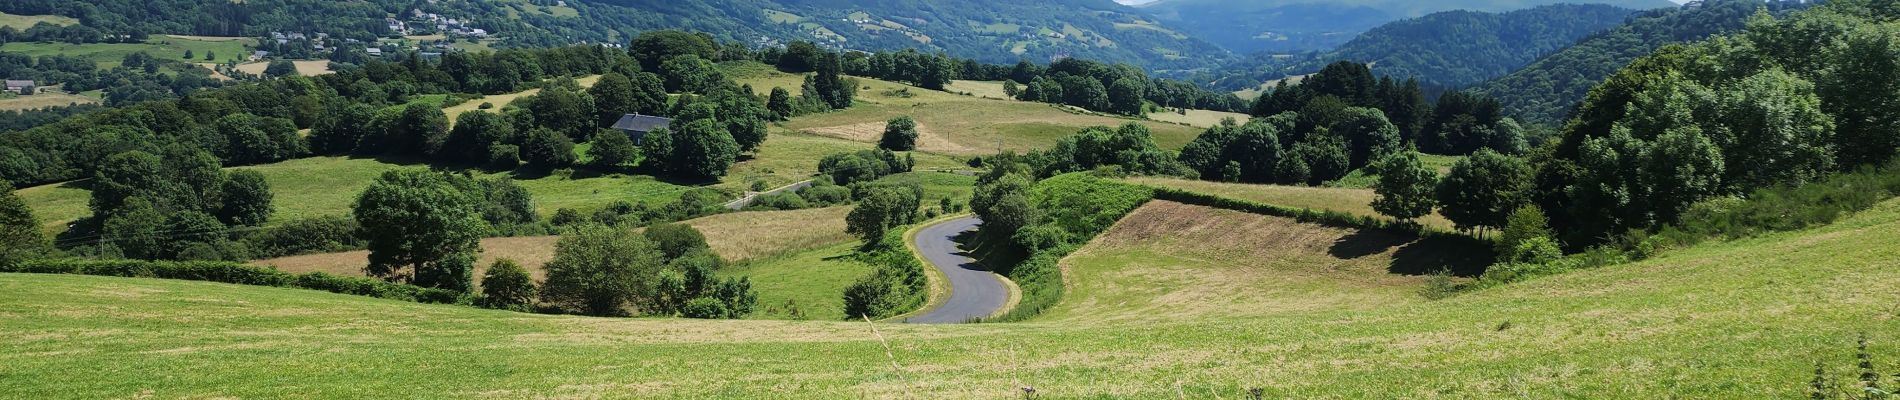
pixel 1247 26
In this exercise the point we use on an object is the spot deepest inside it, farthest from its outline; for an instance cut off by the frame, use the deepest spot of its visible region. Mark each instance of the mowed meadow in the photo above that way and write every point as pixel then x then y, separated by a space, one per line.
pixel 1746 318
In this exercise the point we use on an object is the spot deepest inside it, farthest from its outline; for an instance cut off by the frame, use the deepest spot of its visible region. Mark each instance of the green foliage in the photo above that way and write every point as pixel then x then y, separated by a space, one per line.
pixel 507 286
pixel 676 240
pixel 280 68
pixel 20 236
pixel 1003 205
pixel 653 47
pixel 881 208
pixel 690 74
pixel 611 149
pixel 845 169
pixel 1404 187
pixel 247 199
pixel 701 150
pixel 1076 208
pixel 420 228
pixel 900 134
pixel 897 285
pixel 324 234
pixel 1524 224
pixel 1482 190
pixel 569 112
pixel 474 137
pixel 1131 146
pixel 420 129
pixel 601 271
pixel 547 149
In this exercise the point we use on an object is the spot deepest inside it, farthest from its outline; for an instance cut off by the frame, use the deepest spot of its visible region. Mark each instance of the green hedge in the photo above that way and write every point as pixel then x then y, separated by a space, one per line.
pixel 1081 204
pixel 1306 215
pixel 229 272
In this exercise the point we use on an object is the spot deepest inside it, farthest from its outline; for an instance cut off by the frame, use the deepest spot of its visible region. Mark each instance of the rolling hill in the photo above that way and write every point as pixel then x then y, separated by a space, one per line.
pixel 1248 26
pixel 1544 91
pixel 1748 318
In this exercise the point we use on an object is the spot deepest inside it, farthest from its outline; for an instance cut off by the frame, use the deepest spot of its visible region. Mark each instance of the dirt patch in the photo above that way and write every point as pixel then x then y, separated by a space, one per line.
pixel 927 139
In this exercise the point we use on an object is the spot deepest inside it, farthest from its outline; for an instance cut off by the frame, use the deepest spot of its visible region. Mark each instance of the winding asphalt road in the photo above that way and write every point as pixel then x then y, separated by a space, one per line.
pixel 974 293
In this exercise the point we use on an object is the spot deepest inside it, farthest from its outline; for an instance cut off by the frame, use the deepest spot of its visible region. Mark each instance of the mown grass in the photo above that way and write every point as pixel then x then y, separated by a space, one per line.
pixel 1355 201
pixel 1742 319
pixel 304 67
pixel 109 55
pixel 21 22
pixel 805 285
pixel 44 100
pixel 1198 118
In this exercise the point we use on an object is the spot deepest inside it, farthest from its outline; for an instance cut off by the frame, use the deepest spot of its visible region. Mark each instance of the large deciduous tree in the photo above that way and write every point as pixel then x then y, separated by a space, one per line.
pixel 1481 190
pixel 1404 188
pixel 419 228
pixel 602 271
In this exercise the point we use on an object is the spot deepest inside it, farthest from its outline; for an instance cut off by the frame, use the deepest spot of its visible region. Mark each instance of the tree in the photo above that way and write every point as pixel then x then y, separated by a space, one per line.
pixel 1367 133
pixel 546 149
pixel 134 229
pixel 1780 135
pixel 343 127
pixel 1483 189
pixel 507 286
pixel 420 130
pixel 246 199
pixel 657 148
pixel 601 271
pixel 1404 188
pixel 676 240
pixel 1004 205
pixel 474 135
pixel 211 56
pixel 613 97
pixel 800 57
pixel 900 134
pixel 702 150
pixel 419 227
pixel 1524 224
pixel 280 68
pixel 651 48
pixel 780 104
pixel 1126 97
pixel 612 148
pixel 879 210
pixel 20 235
pixel 124 176
pixel 1323 157
pixel 565 111
pixel 690 74
pixel 189 56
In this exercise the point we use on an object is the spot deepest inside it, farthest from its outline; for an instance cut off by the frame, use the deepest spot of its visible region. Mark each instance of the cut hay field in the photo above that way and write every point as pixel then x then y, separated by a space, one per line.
pixel 1741 319
pixel 1354 201
pixel 304 67
pixel 948 123
pixel 44 100
pixel 502 100
pixel 1198 118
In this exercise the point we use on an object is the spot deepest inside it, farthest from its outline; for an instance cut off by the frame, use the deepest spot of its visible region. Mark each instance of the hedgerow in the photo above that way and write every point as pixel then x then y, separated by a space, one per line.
pixel 235 273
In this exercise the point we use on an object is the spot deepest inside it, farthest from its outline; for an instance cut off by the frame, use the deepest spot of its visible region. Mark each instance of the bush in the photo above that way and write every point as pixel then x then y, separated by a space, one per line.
pixel 827 195
pixel 676 240
pixel 325 234
pixel 507 286
pixel 704 307
pixel 781 201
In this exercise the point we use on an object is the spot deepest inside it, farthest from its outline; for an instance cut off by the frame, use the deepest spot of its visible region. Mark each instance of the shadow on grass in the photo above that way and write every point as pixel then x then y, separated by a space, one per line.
pixel 1416 255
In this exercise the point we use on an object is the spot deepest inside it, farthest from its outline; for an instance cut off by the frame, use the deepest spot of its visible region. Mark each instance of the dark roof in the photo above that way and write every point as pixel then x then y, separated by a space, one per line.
pixel 641 123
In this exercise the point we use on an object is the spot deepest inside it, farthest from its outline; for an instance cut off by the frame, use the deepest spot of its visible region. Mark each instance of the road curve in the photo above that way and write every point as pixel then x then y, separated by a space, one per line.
pixel 974 293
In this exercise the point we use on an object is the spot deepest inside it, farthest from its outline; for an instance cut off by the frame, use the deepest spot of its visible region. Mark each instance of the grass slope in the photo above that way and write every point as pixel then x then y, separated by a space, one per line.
pixel 1739 319
pixel 1347 200
pixel 108 55
pixel 22 22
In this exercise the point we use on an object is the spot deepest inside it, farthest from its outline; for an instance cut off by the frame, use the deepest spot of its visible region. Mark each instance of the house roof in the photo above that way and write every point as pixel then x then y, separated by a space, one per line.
pixel 14 83
pixel 641 123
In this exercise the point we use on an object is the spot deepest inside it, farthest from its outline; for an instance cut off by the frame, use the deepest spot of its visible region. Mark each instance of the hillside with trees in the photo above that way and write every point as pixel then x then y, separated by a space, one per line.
pixel 1290 26
pixel 1545 91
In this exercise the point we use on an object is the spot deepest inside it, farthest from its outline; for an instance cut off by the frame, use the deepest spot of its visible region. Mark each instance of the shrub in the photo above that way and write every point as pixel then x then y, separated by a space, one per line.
pixel 781 201
pixel 704 307
pixel 827 195
pixel 507 286
pixel 306 236
pixel 676 240
pixel 235 273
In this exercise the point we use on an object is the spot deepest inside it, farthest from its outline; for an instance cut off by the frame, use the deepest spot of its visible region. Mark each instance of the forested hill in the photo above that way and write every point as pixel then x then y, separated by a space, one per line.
pixel 1452 48
pixel 996 31
pixel 1464 47
pixel 1247 26
pixel 1546 90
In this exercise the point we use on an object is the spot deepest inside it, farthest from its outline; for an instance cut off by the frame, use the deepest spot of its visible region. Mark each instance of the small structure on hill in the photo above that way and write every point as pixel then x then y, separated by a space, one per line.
pixel 23 87
pixel 637 126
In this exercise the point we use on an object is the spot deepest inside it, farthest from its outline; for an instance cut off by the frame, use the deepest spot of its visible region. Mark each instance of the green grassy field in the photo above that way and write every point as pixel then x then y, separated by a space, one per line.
pixel 21 22
pixel 1355 201
pixel 804 285
pixel 108 55
pixel 1743 319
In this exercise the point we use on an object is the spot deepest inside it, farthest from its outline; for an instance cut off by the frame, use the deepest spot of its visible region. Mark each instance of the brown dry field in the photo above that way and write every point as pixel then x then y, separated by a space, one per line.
pixel 927 139
pixel 45 100
pixel 736 237
pixel 1173 261
pixel 304 67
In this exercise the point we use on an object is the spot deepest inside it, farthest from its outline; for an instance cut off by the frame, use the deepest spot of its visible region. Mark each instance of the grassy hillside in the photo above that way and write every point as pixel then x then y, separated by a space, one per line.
pixel 1739 319
pixel 108 55
pixel 21 22
pixel 1357 201
pixel 950 123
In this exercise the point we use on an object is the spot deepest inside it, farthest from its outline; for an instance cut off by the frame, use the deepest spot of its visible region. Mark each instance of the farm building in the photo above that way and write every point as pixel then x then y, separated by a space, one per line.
pixel 637 126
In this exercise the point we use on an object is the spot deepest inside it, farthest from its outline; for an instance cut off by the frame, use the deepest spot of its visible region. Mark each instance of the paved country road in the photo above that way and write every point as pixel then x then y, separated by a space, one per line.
pixel 974 293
